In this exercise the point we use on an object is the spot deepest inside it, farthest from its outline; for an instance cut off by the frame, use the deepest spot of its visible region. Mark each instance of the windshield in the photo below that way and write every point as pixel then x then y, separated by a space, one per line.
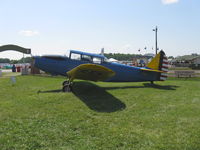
pixel 106 60
pixel 75 56
pixel 96 60
pixel 86 58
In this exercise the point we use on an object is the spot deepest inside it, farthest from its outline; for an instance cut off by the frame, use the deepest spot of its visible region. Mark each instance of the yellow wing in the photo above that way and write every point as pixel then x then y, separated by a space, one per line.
pixel 91 72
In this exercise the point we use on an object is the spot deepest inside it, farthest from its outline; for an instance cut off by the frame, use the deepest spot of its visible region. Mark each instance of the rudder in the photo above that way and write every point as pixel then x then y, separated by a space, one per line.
pixel 160 62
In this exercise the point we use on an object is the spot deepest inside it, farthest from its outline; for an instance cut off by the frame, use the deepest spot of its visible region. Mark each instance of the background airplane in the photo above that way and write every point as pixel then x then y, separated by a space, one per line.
pixel 94 67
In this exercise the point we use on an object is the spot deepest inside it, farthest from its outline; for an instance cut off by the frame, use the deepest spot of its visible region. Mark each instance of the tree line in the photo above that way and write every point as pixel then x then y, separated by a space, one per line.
pixel 22 60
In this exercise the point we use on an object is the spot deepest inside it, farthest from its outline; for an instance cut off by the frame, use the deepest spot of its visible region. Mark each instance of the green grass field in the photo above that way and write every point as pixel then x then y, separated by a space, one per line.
pixel 35 114
pixel 9 74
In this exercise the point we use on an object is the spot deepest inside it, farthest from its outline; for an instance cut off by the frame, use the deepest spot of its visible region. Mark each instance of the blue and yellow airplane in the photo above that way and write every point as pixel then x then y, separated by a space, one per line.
pixel 95 67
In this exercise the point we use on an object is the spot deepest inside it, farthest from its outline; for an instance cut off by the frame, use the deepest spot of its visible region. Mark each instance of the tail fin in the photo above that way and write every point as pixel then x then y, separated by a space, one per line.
pixel 160 62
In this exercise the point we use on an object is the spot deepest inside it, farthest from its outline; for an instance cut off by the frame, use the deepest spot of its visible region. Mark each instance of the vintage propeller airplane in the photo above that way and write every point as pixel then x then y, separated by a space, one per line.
pixel 95 67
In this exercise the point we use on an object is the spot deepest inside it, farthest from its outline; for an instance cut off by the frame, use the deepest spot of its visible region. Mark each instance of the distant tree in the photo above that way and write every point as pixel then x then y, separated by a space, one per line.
pixel 25 60
pixel 194 54
pixel 171 57
pixel 22 60
pixel 4 60
pixel 120 57
pixel 14 62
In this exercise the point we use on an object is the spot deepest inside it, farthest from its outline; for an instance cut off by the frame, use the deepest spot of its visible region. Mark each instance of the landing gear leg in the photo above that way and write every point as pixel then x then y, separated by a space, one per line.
pixel 65 82
pixel 67 86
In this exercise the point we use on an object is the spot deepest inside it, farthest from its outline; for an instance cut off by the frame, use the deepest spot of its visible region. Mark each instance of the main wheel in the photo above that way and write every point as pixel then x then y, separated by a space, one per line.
pixel 65 83
pixel 67 88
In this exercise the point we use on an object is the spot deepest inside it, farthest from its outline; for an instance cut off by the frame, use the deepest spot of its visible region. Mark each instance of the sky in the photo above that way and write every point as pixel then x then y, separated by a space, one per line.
pixel 120 26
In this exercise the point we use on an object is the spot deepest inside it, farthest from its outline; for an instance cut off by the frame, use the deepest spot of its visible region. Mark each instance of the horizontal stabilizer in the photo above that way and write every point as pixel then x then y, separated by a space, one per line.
pixel 145 69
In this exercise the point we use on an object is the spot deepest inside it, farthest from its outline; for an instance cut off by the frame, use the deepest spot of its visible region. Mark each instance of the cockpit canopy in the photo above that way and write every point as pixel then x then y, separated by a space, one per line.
pixel 87 57
pixel 78 55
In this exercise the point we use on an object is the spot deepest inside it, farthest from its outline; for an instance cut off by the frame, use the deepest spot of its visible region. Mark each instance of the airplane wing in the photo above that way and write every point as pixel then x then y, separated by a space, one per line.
pixel 91 72
pixel 152 70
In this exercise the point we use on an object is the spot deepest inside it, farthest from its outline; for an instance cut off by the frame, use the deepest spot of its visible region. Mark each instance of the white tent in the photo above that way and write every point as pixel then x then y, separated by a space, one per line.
pixel 112 60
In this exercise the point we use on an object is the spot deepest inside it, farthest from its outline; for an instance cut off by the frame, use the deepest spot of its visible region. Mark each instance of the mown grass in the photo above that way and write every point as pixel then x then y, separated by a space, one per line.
pixel 35 114
pixel 9 74
pixel 180 68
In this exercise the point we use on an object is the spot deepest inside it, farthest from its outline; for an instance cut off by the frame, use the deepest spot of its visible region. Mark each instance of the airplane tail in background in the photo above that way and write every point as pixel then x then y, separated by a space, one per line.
pixel 160 62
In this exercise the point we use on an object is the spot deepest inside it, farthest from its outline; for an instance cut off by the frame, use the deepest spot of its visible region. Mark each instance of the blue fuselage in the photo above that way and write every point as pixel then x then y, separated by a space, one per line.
pixel 123 73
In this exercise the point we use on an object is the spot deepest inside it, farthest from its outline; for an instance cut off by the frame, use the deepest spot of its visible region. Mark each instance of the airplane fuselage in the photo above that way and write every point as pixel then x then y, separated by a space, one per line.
pixel 60 65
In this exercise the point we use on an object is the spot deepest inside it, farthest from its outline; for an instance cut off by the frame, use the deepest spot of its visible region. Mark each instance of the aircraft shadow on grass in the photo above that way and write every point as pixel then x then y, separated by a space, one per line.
pixel 98 99
pixel 146 85
pixel 95 97
pixel 161 87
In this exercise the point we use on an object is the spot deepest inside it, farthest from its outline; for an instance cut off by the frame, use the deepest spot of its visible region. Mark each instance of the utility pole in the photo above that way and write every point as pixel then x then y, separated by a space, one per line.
pixel 156 30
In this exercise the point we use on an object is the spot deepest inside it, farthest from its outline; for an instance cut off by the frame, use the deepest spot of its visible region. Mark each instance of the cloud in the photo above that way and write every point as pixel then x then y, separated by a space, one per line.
pixel 127 46
pixel 29 32
pixel 169 1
